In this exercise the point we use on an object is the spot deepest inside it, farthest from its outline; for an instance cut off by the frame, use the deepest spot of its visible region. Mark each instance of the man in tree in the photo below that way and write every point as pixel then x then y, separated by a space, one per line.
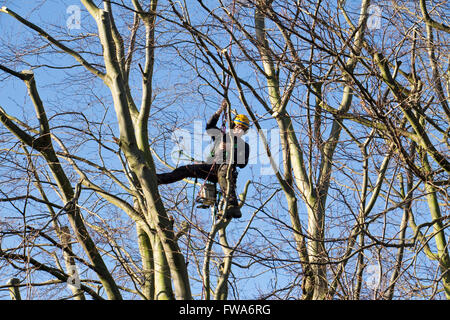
pixel 215 169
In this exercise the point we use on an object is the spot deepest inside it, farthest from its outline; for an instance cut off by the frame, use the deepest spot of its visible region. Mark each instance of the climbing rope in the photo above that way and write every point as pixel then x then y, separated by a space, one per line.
pixel 226 85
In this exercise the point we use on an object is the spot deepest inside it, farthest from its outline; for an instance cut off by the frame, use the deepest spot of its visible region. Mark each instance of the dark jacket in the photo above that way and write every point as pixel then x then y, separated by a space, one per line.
pixel 241 148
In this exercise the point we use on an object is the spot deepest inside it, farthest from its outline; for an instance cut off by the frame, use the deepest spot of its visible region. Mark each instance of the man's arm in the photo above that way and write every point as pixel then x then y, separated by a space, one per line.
pixel 212 122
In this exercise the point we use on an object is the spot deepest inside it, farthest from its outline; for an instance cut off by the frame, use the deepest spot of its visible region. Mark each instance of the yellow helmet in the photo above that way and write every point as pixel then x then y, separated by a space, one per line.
pixel 241 119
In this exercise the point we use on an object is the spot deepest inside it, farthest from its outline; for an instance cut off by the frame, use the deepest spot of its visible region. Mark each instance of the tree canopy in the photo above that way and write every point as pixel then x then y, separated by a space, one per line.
pixel 346 194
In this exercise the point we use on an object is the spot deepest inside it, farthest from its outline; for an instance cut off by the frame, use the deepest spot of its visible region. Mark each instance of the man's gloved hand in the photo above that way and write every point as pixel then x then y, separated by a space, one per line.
pixel 222 106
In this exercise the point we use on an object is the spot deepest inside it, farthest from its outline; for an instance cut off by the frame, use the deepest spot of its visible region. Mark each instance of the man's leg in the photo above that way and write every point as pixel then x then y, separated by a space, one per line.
pixel 233 207
pixel 201 171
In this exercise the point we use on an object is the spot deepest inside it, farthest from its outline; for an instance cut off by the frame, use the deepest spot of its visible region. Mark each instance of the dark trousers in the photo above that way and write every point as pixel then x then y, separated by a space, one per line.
pixel 212 172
